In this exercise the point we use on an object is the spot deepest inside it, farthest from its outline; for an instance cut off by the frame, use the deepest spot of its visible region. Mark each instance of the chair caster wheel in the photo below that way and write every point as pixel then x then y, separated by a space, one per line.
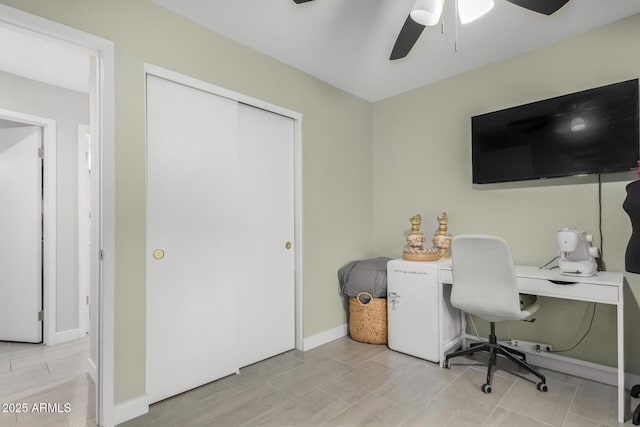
pixel 543 387
pixel 486 388
pixel 635 391
pixel 445 364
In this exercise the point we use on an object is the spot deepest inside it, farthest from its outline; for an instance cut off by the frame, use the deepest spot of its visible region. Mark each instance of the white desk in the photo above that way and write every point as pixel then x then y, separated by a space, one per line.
pixel 605 288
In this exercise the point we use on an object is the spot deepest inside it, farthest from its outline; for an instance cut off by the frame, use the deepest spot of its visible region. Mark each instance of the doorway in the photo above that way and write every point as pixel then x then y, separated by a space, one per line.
pixel 100 70
pixel 42 335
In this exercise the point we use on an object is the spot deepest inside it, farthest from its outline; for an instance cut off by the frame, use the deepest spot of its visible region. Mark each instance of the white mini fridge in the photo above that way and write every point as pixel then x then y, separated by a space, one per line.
pixel 420 319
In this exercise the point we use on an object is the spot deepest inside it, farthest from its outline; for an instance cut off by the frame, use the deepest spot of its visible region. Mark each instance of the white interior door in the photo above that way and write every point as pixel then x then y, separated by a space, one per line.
pixel 192 227
pixel 266 285
pixel 20 234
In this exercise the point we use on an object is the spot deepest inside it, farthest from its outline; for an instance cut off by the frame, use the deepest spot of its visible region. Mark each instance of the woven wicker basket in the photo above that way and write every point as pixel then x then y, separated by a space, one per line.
pixel 368 319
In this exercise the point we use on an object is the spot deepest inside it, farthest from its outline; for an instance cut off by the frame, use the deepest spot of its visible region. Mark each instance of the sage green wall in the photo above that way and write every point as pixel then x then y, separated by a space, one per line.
pixel 336 165
pixel 422 163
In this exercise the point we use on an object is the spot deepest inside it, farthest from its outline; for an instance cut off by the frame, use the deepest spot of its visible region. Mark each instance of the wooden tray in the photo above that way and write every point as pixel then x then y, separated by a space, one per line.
pixel 420 257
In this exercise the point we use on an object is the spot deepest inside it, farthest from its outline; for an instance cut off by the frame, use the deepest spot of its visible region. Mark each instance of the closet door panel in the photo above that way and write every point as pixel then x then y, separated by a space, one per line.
pixel 266 285
pixel 192 230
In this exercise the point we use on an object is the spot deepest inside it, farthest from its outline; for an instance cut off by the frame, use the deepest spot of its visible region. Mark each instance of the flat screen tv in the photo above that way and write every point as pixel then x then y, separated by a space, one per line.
pixel 589 132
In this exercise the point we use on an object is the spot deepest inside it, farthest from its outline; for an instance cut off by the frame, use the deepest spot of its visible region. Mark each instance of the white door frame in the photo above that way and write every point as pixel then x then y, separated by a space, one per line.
pixel 84 229
pixel 297 149
pixel 104 166
pixel 49 204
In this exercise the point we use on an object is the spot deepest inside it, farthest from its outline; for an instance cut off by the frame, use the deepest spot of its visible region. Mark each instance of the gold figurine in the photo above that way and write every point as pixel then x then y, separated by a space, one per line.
pixel 441 238
pixel 414 251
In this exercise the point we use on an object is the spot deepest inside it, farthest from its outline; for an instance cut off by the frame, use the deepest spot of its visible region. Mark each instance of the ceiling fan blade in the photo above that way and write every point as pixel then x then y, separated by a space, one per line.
pixel 546 7
pixel 408 36
pixel 301 1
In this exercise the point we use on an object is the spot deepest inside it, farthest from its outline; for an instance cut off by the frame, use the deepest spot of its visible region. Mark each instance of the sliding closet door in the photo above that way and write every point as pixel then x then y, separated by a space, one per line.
pixel 266 285
pixel 192 227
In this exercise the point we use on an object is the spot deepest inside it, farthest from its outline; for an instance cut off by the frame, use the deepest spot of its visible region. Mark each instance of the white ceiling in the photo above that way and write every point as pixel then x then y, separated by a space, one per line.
pixel 347 42
pixel 46 60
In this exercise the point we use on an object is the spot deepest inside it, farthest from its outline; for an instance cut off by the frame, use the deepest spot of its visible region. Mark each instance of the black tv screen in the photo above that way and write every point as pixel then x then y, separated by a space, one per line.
pixel 593 131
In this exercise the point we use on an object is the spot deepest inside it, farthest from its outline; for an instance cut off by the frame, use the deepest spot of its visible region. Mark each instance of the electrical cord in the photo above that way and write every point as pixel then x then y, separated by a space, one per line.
pixel 554 258
pixel 593 315
pixel 600 216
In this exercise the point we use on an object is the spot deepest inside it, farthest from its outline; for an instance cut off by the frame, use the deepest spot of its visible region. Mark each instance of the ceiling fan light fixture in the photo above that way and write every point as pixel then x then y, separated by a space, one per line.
pixel 470 10
pixel 427 12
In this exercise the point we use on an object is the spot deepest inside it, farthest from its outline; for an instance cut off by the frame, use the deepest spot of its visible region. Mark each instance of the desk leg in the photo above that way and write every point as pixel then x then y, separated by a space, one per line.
pixel 621 390
pixel 440 323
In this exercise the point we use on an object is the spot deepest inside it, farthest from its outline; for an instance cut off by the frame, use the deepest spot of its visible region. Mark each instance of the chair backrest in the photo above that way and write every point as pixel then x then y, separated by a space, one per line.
pixel 484 280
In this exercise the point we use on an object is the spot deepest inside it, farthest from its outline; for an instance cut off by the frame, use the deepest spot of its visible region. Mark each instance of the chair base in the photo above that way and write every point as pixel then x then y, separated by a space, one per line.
pixel 494 349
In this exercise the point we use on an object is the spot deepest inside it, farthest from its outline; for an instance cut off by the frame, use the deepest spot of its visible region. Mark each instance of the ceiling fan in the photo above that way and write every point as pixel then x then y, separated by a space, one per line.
pixel 426 13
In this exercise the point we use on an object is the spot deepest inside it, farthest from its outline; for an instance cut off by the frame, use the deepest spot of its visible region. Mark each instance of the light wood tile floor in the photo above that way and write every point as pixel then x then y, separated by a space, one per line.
pixel 346 383
pixel 46 386
pixel 27 369
pixel 343 383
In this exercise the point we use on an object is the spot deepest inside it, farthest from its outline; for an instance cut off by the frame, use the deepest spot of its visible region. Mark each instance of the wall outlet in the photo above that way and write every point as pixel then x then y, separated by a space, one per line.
pixel 530 346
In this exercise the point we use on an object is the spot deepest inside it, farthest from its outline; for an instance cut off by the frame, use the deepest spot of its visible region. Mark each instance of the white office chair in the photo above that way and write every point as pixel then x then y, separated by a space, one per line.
pixel 484 284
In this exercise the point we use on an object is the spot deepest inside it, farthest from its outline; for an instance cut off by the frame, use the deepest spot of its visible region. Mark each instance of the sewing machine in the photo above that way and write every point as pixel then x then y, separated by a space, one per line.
pixel 577 256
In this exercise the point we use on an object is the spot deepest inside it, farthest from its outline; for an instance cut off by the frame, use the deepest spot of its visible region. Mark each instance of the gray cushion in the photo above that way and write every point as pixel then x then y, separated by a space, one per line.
pixel 368 275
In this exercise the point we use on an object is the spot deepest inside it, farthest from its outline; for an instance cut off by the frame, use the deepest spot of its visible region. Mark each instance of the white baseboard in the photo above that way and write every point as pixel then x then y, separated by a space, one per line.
pixel 131 409
pixel 324 337
pixel 66 336
pixel 576 367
